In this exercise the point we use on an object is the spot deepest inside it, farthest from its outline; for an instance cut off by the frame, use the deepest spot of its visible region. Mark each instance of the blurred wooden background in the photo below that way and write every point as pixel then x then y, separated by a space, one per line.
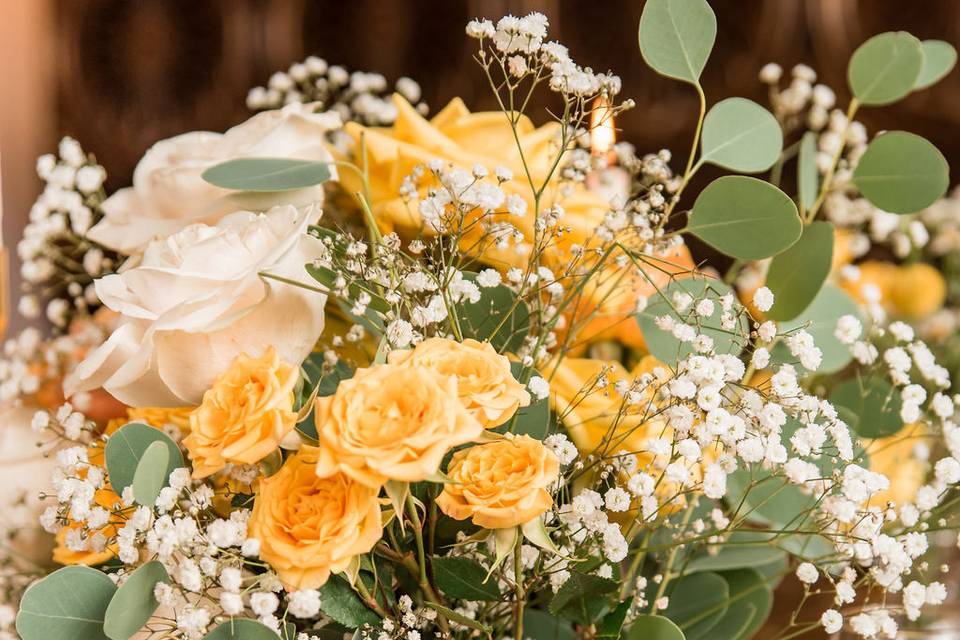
pixel 119 75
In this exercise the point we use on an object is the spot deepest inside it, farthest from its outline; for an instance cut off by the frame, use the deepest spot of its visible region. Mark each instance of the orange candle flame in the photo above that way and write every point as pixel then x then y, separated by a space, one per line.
pixel 603 135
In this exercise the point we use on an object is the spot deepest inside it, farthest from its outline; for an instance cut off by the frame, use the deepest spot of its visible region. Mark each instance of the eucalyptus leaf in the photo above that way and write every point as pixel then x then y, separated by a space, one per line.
pixel 745 218
pixel 68 604
pixel 796 275
pixel 649 627
pixel 151 474
pixel 751 601
pixel 267 174
pixel 740 135
pixel 737 556
pixel 819 319
pixel 885 68
pixel 464 579
pixel 901 172
pixel 697 603
pixel 544 626
pixel 871 407
pixel 241 629
pixel 126 447
pixel 676 37
pixel 808 178
pixel 939 57
pixel 134 602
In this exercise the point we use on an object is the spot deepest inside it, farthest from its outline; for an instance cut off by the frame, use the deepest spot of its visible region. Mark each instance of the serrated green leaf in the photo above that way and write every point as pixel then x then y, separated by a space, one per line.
pixel 241 629
pixel 676 37
pixel 151 474
pixel 339 601
pixel 745 218
pixel 885 68
pixel 797 274
pixel 819 319
pixel 544 626
pixel 697 603
pixel 939 57
pixel 613 622
pixel 740 135
pixel 125 448
pixel 648 627
pixel 808 178
pixel 581 597
pixel 68 604
pixel 267 174
pixel 870 407
pixel 132 605
pixel 901 172
pixel 464 579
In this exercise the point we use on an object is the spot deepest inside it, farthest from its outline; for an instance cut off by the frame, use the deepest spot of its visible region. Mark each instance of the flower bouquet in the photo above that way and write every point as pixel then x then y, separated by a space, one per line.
pixel 351 371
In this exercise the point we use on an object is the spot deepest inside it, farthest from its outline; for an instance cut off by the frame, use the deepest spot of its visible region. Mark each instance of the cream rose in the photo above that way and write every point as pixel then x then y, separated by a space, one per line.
pixel 168 192
pixel 196 301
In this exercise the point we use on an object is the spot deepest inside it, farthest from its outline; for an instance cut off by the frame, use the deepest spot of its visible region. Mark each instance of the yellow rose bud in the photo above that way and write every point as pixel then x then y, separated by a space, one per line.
pixel 485 384
pixel 244 415
pixel 501 484
pixel 918 290
pixel 389 422
pixel 309 527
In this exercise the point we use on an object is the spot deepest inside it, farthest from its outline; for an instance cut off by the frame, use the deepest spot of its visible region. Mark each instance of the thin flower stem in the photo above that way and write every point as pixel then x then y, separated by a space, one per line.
pixel 518 585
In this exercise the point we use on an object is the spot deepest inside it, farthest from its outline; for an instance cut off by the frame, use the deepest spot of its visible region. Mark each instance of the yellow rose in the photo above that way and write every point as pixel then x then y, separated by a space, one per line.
pixel 244 415
pixel 389 422
pixel 309 527
pixel 63 554
pixel 485 383
pixel 501 484
pixel 911 291
pixel 894 457
pixel 466 139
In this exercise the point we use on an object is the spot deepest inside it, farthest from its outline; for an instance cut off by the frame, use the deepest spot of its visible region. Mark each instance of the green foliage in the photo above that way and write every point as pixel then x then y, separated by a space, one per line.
pixel 581 597
pixel 312 370
pixel 808 178
pixel 498 317
pixel 613 622
pixel 697 603
pixel 126 447
pixel 796 275
pixel 737 556
pixel 649 627
pixel 676 37
pixel 241 629
pixel 870 407
pixel 740 135
pixel 69 604
pixel 544 626
pixel 667 348
pixel 901 172
pixel 885 68
pixel 339 601
pixel 132 605
pixel 819 319
pixel 745 218
pixel 464 579
pixel 151 474
pixel 751 600
pixel 267 174
pixel 939 57
pixel 534 419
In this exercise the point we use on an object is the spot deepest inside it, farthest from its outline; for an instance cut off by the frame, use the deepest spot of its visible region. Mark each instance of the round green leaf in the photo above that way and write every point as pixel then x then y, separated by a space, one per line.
pixel 820 321
pixel 497 317
pixel 669 349
pixel 241 629
pixel 676 37
pixel 808 178
pixel 736 556
pixel 125 448
pixel 151 474
pixel 267 174
pixel 885 68
pixel 697 603
pixel 751 601
pixel 901 172
pixel 740 135
pixel 648 627
pixel 69 604
pixel 134 602
pixel 938 60
pixel 870 407
pixel 796 275
pixel 745 218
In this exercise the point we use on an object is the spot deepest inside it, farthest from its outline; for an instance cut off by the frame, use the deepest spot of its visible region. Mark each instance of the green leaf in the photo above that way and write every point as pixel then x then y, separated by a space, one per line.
pixel 870 407
pixel 543 626
pixel 267 174
pixel 808 178
pixel 938 60
pixel 885 68
pixel 534 419
pixel 497 317
pixel 697 603
pixel 339 601
pixel 459 618
pixel 669 349
pixel 648 627
pixel 464 579
pixel 241 629
pixel 126 447
pixel 134 602
pixel 901 172
pixel 69 604
pixel 151 474
pixel 676 37
pixel 745 218
pixel 581 597
pixel 796 275
pixel 613 622
pixel 736 557
pixel 819 319
pixel 740 135
pixel 751 600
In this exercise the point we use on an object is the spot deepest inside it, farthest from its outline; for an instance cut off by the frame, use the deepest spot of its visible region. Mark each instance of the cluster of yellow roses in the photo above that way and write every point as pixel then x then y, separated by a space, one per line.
pixel 391 423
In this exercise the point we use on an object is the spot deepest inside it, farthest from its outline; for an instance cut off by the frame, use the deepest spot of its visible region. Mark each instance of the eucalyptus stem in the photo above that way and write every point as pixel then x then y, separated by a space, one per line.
pixel 828 177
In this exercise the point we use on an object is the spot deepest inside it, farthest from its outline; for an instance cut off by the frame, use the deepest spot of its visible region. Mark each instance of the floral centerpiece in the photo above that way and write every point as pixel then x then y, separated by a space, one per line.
pixel 350 371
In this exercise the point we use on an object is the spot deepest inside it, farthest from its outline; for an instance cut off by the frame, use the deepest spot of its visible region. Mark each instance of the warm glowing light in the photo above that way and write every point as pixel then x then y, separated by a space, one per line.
pixel 602 132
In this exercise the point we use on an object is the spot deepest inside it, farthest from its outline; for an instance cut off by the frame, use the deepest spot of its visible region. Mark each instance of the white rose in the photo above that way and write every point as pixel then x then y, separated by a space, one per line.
pixel 195 301
pixel 168 192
